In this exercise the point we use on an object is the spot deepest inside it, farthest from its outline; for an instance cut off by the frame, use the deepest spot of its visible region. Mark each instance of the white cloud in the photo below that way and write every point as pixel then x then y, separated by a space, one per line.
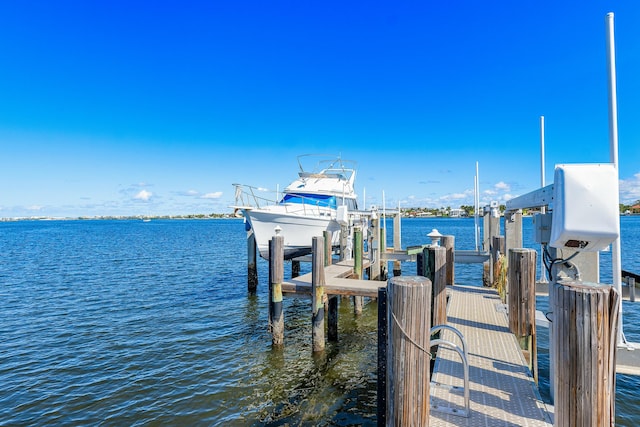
pixel 502 186
pixel 192 193
pixel 143 195
pixel 34 208
pixel 630 189
pixel 215 195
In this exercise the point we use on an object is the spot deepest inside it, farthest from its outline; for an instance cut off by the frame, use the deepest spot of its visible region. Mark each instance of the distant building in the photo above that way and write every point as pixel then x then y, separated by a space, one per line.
pixel 457 213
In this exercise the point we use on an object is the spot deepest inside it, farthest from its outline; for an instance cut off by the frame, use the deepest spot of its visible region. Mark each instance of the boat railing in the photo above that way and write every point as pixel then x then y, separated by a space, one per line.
pixel 258 198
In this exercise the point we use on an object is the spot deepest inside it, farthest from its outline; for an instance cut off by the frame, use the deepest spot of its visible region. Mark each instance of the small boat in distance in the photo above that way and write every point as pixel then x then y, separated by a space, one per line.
pixel 319 199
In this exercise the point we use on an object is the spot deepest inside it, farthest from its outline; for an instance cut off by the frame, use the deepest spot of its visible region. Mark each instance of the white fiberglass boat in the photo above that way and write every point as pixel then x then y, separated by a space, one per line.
pixel 311 204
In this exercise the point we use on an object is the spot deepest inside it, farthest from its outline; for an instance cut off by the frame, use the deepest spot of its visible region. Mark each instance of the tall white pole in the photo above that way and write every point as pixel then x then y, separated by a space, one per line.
pixel 613 153
pixel 477 207
pixel 543 209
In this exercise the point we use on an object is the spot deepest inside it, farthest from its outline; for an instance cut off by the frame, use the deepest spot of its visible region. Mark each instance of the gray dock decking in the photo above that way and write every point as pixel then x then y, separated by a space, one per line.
pixel 502 391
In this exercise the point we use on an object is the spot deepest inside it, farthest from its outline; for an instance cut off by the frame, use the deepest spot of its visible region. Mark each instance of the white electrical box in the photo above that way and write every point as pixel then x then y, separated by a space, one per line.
pixel 542 227
pixel 342 216
pixel 586 212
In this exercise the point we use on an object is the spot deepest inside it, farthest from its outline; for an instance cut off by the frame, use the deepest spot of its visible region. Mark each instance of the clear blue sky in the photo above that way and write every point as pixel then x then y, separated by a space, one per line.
pixel 125 107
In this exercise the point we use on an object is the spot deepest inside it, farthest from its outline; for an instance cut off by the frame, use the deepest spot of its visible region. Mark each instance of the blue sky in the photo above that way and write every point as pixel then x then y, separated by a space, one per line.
pixel 126 108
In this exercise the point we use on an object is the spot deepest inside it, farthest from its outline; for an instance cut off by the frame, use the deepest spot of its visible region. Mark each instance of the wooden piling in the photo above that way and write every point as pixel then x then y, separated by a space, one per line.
pixel 435 260
pixel 382 356
pixel 374 269
pixel 408 350
pixel 328 249
pixel 632 289
pixel 332 319
pixel 522 302
pixel 358 301
pixel 276 277
pixel 384 267
pixel 317 293
pixel 252 265
pixel 448 242
pixel 585 326
pixel 295 268
pixel 397 242
pixel 490 228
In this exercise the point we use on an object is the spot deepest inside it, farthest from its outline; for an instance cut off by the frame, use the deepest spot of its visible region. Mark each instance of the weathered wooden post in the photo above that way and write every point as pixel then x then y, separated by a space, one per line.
pixel 384 266
pixel 358 301
pixel 375 249
pixel 344 242
pixel 317 293
pixel 328 249
pixel 382 356
pixel 332 303
pixel 498 266
pixel 408 350
pixel 397 242
pixel 434 260
pixel 585 326
pixel 490 228
pixel 522 303
pixel 276 277
pixel 448 242
pixel 252 265
pixel 295 268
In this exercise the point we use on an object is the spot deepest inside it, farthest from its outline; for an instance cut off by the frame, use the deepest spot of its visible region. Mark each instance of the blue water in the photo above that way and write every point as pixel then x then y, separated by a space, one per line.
pixel 150 323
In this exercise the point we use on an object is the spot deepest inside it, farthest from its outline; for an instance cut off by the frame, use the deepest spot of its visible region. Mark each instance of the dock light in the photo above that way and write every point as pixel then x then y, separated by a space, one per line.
pixel 435 237
pixel 277 230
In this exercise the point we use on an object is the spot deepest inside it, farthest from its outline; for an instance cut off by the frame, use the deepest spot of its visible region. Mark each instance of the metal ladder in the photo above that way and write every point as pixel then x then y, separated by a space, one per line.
pixel 464 355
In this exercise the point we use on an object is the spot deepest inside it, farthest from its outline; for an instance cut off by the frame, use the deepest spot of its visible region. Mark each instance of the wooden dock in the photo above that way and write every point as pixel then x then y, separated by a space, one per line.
pixel 502 390
pixel 337 282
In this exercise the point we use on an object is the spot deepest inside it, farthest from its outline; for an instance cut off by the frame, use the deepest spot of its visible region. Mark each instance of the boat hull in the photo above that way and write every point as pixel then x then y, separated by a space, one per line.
pixel 298 231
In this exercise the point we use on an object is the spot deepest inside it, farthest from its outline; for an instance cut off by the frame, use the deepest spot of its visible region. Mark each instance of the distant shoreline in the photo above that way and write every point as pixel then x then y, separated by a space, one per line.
pixel 122 218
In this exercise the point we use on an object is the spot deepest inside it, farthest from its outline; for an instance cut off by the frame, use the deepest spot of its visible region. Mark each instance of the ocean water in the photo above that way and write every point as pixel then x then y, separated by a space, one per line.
pixel 150 323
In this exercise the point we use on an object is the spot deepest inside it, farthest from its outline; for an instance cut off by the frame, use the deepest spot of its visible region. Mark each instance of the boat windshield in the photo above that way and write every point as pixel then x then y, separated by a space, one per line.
pixel 311 199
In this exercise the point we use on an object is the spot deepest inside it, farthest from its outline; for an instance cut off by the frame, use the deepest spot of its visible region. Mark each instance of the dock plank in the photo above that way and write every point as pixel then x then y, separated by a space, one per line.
pixel 502 390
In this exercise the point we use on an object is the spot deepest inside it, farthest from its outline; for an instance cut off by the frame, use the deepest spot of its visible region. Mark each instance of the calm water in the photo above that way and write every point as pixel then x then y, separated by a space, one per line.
pixel 134 323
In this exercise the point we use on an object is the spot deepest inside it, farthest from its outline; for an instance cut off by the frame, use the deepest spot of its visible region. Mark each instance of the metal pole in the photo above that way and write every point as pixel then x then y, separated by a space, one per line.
pixel 543 209
pixel 613 153
pixel 477 206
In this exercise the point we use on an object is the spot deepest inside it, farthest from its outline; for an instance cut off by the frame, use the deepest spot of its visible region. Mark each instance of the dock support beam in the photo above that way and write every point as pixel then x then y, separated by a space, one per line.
pixel 434 260
pixel 522 303
pixel 358 301
pixel 382 356
pixel 276 277
pixel 317 293
pixel 585 325
pixel 448 242
pixel 397 242
pixel 408 351
pixel 252 265
pixel 490 228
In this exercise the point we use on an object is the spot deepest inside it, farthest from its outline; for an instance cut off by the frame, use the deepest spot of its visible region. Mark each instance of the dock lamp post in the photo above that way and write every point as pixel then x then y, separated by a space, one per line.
pixel 435 237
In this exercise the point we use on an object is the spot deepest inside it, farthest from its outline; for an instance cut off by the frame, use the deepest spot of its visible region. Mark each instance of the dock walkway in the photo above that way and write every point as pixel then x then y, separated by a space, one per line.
pixel 502 390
